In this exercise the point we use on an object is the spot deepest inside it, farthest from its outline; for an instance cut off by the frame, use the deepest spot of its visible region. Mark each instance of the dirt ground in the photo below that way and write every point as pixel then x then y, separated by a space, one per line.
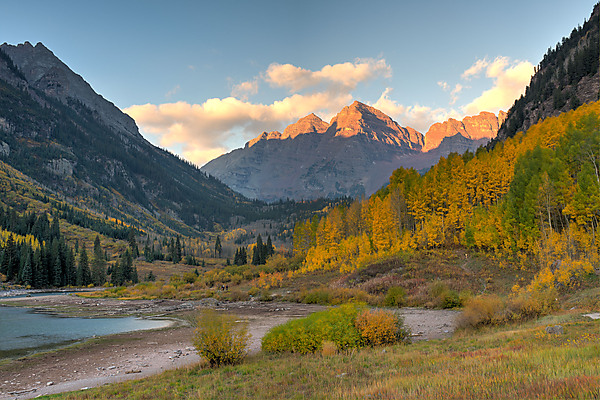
pixel 138 354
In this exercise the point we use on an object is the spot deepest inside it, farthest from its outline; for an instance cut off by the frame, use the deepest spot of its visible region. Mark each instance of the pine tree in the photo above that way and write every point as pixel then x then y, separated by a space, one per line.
pixel 10 262
pixel 58 274
pixel 83 269
pixel 98 264
pixel 218 247
pixel 270 248
pixel 27 272
pixel 40 277
pixel 133 243
pixel 177 252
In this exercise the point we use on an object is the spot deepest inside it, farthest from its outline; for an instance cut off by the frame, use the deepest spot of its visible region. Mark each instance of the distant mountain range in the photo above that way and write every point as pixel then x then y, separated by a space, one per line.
pixel 353 155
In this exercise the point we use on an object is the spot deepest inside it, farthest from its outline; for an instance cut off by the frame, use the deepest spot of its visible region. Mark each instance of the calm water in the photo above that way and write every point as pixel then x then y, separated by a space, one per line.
pixel 24 332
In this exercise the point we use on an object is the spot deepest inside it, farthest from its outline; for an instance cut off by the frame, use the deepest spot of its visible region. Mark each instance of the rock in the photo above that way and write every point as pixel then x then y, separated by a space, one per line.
pixel 60 167
pixel 50 383
pixel 554 330
pixel 4 149
pixel 593 315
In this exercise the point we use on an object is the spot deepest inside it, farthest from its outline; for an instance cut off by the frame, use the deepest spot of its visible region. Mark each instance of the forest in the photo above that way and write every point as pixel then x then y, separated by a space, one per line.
pixel 532 201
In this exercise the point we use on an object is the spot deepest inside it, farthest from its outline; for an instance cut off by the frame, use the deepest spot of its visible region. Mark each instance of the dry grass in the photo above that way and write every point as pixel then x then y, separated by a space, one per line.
pixel 514 362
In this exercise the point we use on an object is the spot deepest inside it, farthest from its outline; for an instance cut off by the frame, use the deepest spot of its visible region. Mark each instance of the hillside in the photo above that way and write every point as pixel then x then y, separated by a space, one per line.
pixel 568 76
pixel 58 131
pixel 351 156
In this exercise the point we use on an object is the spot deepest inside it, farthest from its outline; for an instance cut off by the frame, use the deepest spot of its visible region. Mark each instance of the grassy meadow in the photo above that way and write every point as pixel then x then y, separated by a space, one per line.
pixel 514 361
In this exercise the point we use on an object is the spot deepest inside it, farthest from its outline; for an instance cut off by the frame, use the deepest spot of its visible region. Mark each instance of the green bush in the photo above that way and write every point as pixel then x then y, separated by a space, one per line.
pixel 444 297
pixel 220 339
pixel 395 297
pixel 306 335
pixel 346 326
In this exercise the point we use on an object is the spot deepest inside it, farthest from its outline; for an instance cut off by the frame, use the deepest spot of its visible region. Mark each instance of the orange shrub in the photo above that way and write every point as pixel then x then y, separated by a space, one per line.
pixel 380 327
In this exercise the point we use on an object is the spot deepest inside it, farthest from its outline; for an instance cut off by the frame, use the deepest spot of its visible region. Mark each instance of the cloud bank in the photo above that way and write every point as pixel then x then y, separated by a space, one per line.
pixel 202 130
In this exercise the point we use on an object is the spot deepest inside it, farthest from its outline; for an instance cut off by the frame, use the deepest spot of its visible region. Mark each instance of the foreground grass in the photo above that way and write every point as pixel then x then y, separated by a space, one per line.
pixel 521 362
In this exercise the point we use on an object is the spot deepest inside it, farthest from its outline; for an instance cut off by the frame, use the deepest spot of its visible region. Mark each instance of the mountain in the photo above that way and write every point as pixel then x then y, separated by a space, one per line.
pixel 567 77
pixel 57 130
pixel 482 126
pixel 351 156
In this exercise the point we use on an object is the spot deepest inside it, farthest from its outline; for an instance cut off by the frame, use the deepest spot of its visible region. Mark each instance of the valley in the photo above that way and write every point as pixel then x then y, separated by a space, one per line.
pixel 355 258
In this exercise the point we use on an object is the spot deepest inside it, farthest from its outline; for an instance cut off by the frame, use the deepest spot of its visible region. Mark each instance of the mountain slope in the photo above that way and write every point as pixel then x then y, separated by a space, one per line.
pixel 57 130
pixel 353 155
pixel 568 76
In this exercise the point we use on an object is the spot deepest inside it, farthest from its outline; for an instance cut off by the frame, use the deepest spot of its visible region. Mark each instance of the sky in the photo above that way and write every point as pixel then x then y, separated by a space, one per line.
pixel 202 78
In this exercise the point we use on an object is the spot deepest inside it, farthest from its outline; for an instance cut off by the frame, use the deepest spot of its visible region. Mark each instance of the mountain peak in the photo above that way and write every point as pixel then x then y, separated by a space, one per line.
pixel 361 119
pixel 309 124
pixel 47 73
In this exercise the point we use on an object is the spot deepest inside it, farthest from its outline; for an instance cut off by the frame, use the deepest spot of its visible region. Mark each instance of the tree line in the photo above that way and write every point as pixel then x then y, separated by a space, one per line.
pixel 533 200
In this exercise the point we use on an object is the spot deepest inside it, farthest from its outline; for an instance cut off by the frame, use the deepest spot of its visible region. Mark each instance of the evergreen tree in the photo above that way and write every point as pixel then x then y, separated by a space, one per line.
pixel 177 251
pixel 27 272
pixel 150 277
pixel 58 274
pixel 10 261
pixel 98 264
pixel 259 256
pixel 134 276
pixel 270 248
pixel 70 269
pixel 218 247
pixel 40 279
pixel 55 229
pixel 172 251
pixel 135 252
pixel 83 270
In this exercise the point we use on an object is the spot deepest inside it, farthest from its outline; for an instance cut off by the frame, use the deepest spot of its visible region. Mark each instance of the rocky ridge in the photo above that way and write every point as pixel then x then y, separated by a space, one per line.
pixel 57 130
pixel 482 126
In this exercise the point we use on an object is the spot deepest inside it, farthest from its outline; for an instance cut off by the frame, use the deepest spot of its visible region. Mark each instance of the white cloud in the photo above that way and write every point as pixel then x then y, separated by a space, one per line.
pixel 416 116
pixel 244 89
pixel 444 85
pixel 345 76
pixel 202 129
pixel 454 93
pixel 172 92
pixel 509 82
pixel 475 69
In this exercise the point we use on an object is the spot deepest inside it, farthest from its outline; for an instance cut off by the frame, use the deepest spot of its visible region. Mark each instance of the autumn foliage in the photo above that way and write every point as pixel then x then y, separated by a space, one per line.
pixel 533 200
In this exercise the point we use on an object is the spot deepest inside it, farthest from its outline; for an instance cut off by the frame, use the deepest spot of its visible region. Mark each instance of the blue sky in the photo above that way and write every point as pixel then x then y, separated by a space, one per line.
pixel 202 78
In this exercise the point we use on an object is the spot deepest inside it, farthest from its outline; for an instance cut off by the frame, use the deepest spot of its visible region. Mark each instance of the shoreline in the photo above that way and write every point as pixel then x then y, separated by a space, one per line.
pixel 129 355
pixel 138 354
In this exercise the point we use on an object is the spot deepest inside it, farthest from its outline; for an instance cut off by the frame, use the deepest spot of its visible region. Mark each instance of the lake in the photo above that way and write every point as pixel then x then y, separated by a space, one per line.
pixel 23 332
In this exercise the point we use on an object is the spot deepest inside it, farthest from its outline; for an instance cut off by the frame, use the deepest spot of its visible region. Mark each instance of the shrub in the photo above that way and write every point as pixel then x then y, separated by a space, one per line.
pixel 339 328
pixel 335 296
pixel 482 310
pixel 220 339
pixel 395 297
pixel 443 297
pixel 306 335
pixel 380 327
pixel 329 348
